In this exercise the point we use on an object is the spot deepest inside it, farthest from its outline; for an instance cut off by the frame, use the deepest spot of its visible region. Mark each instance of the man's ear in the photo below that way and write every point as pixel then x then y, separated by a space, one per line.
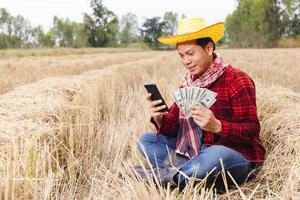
pixel 209 48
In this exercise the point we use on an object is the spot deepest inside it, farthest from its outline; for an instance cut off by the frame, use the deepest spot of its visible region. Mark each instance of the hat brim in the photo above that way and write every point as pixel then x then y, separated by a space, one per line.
pixel 215 32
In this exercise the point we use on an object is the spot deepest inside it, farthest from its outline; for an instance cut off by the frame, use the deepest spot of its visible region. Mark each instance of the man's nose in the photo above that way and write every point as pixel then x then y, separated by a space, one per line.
pixel 187 61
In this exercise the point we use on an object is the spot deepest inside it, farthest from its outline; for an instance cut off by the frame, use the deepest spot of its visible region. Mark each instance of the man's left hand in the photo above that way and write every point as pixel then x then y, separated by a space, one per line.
pixel 206 119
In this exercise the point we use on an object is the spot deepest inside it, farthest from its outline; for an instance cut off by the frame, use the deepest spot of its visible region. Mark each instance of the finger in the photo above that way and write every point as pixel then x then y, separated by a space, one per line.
pixel 152 104
pixel 198 122
pixel 200 119
pixel 156 114
pixel 197 117
pixel 198 112
pixel 148 98
pixel 158 108
pixel 199 107
pixel 203 120
pixel 156 102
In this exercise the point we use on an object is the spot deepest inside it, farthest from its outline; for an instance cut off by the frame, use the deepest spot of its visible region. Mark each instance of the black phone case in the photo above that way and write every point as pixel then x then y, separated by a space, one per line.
pixel 155 95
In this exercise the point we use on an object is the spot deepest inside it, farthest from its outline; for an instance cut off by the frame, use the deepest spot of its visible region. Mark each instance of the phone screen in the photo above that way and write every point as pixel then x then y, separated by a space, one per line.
pixel 155 95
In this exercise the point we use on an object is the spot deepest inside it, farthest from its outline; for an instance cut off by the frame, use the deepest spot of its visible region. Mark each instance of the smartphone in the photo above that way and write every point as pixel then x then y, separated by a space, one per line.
pixel 155 95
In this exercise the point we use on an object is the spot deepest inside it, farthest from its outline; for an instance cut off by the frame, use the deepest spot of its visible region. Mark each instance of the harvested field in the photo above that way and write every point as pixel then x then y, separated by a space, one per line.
pixel 8 53
pixel 71 131
pixel 33 68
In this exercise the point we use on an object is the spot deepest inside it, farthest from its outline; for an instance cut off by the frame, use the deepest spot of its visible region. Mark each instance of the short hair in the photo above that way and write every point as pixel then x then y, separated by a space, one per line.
pixel 204 41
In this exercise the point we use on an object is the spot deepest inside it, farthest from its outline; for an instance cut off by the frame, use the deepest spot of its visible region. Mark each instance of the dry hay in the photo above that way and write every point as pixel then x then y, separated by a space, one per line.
pixel 9 53
pixel 39 123
pixel 30 69
pixel 69 137
pixel 280 174
pixel 279 67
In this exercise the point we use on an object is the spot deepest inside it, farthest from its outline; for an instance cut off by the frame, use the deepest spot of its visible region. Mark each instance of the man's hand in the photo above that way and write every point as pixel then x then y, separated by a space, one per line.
pixel 154 109
pixel 206 119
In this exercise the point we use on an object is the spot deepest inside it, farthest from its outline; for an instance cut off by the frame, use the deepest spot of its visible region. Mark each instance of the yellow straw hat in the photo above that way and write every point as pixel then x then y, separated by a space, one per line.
pixel 194 28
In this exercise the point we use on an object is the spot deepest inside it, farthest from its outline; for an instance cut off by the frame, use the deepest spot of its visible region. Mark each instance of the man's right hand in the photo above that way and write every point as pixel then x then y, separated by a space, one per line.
pixel 154 109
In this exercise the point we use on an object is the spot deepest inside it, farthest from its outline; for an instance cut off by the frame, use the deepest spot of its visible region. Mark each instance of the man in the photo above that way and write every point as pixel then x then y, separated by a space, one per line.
pixel 228 131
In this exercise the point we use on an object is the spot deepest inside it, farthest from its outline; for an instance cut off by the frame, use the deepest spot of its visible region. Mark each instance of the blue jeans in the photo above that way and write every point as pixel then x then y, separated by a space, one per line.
pixel 156 150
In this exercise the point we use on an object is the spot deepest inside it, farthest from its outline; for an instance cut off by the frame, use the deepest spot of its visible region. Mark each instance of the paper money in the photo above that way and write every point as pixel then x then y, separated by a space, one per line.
pixel 187 97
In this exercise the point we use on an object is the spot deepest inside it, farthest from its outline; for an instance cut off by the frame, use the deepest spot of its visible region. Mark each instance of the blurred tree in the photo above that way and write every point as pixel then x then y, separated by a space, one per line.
pixel 5 28
pixel 102 26
pixel 5 22
pixel 128 29
pixel 239 23
pixel 171 23
pixel 63 31
pixel 152 29
pixel 21 29
pixel 67 34
pixel 40 39
pixel 255 23
pixel 81 38
pixel 271 28
pixel 15 31
pixel 290 15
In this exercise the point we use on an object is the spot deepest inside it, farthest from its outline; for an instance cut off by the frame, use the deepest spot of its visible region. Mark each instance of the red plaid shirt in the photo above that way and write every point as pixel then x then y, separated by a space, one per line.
pixel 236 109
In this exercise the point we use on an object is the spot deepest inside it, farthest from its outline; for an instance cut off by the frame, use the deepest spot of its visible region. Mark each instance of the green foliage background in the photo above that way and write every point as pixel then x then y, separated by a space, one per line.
pixel 262 23
pixel 253 24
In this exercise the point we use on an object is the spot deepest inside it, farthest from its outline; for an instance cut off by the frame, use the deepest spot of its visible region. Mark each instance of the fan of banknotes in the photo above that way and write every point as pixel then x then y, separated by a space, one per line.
pixel 187 97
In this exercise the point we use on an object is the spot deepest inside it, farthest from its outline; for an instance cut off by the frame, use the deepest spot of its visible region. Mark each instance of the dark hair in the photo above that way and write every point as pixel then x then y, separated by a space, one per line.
pixel 204 41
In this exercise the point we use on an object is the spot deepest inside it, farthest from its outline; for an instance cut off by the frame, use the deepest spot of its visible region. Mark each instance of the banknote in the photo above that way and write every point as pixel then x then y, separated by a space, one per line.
pixel 187 97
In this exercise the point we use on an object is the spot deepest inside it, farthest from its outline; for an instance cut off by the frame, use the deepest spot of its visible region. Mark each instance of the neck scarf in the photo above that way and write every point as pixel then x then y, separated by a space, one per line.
pixel 189 133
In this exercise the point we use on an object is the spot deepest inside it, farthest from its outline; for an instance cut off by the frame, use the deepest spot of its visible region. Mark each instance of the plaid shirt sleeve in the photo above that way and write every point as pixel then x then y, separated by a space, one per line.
pixel 244 125
pixel 169 124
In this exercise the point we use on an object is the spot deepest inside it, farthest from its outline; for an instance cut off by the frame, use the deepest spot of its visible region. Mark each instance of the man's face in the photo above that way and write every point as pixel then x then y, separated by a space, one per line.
pixel 195 58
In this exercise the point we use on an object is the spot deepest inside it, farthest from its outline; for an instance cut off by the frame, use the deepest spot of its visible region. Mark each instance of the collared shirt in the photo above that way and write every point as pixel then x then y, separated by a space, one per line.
pixel 236 109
